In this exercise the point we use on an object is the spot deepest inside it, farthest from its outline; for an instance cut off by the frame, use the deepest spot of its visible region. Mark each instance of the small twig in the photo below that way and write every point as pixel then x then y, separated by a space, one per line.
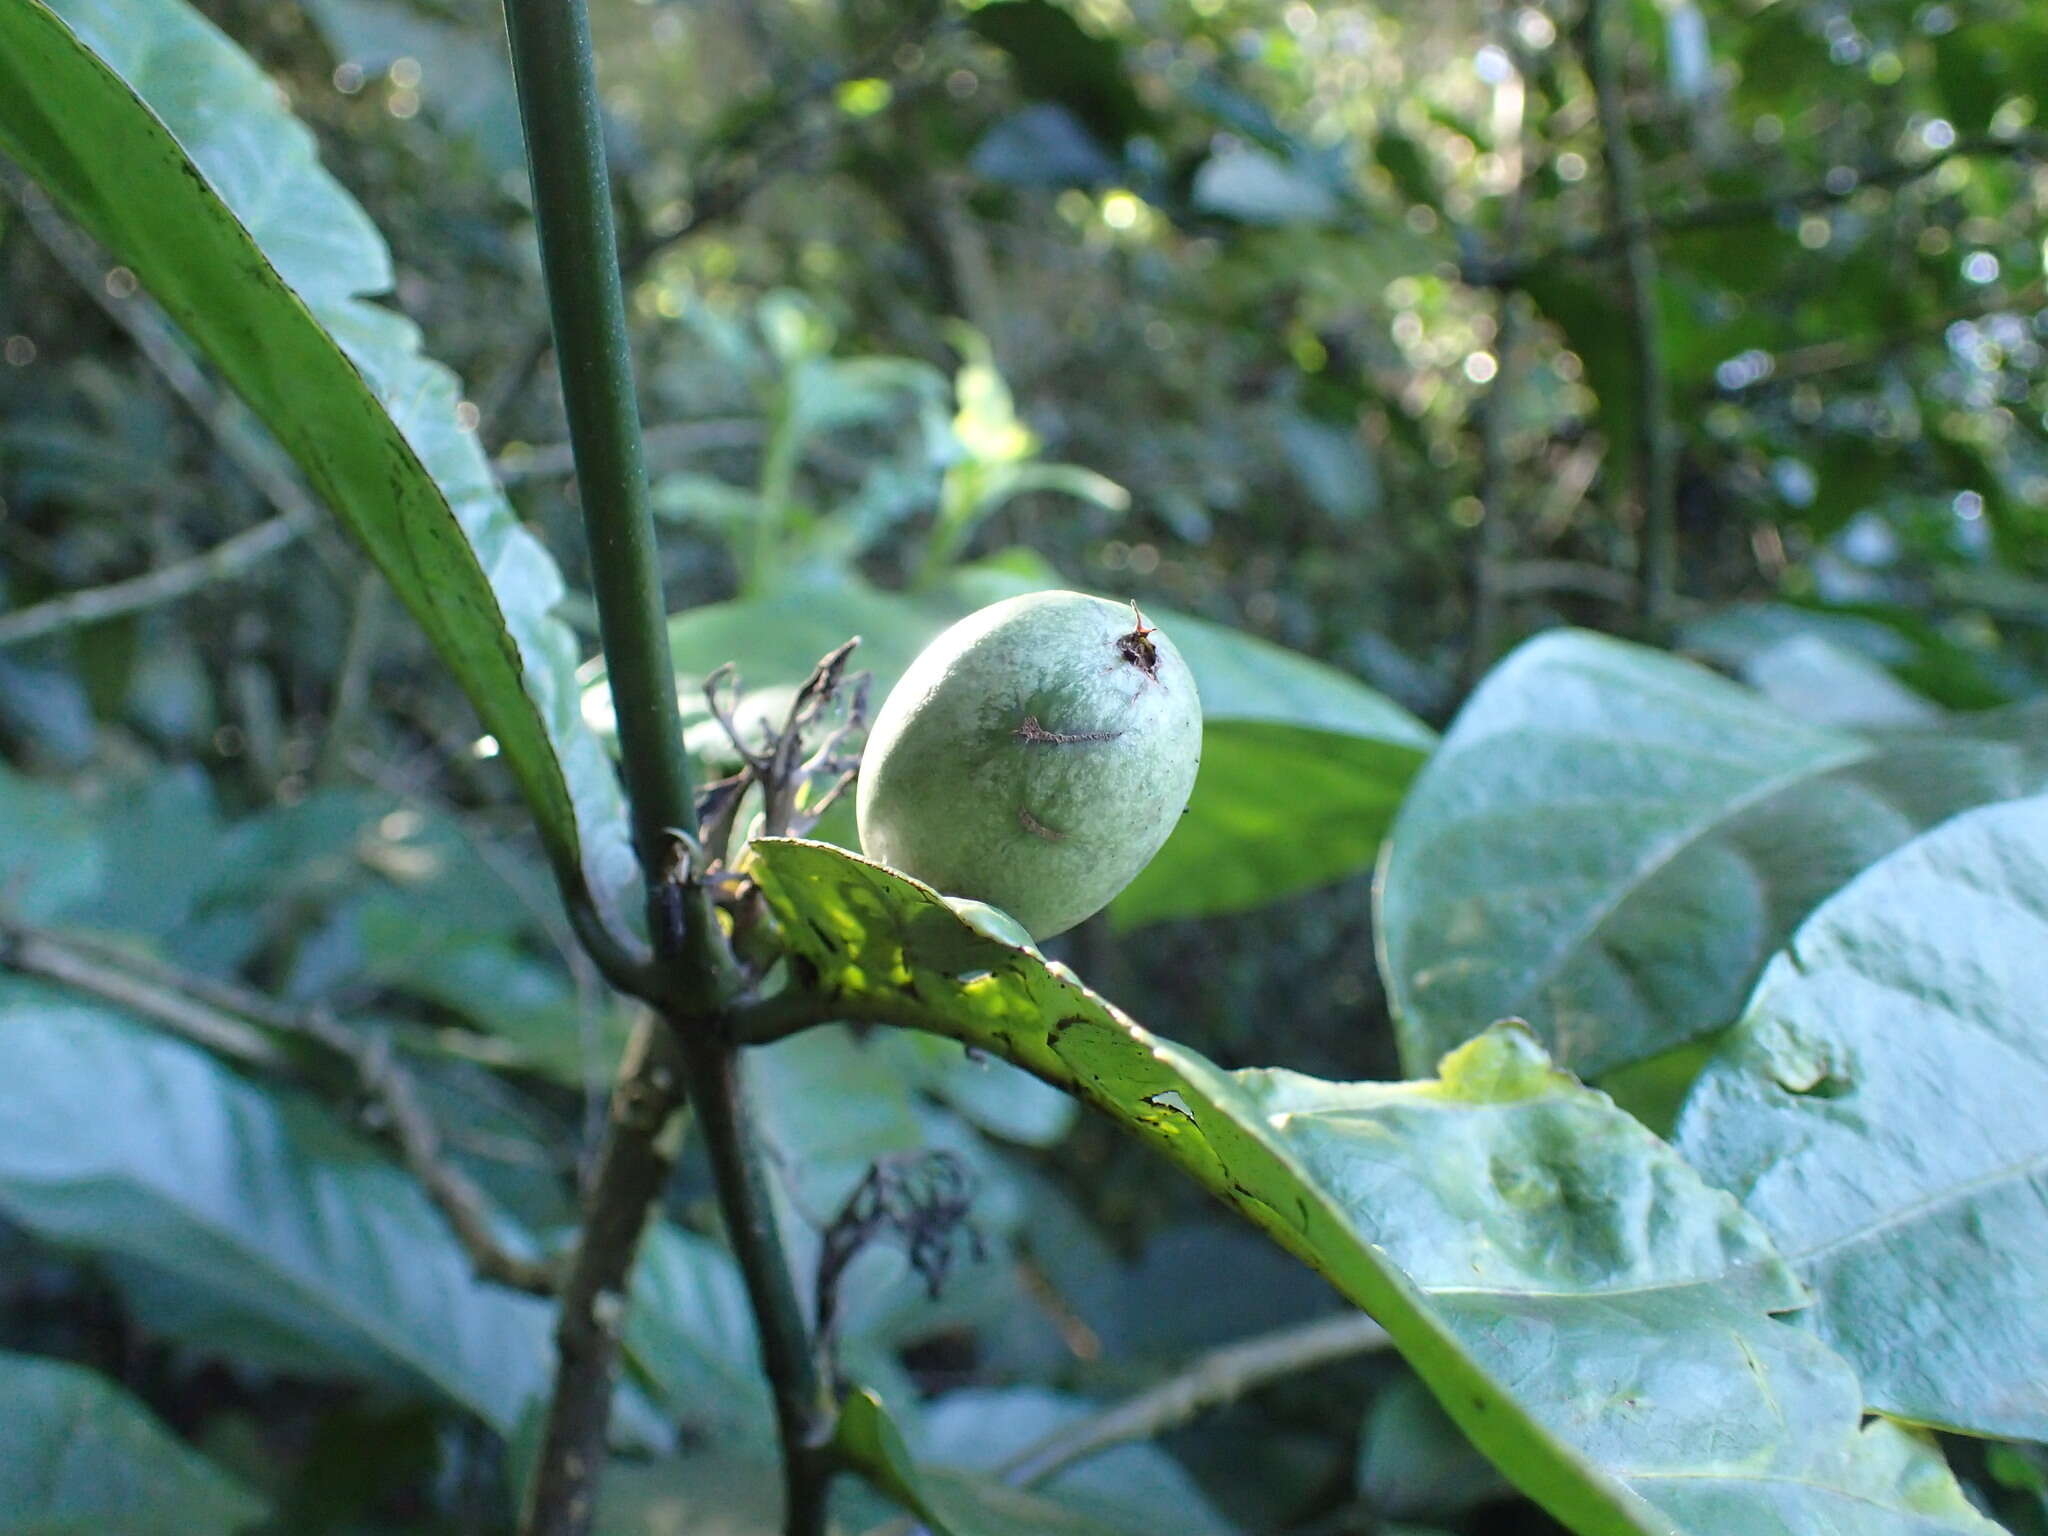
pixel 547 460
pixel 224 1017
pixel 1213 1379
pixel 1524 578
pixel 352 678
pixel 1496 533
pixel 1734 212
pixel 233 427
pixel 1656 448
pixel 631 1169
pixel 453 1192
pixel 95 605
pixel 34 954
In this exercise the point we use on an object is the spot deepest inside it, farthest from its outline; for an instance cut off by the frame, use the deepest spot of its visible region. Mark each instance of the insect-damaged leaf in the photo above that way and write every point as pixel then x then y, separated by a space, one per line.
pixel 1592 1314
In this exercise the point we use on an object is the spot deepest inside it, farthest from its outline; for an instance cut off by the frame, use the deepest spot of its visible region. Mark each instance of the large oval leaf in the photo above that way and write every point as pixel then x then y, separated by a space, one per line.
pixel 1592 1314
pixel 1610 843
pixel 80 1457
pixel 249 1222
pixel 1302 767
pixel 162 138
pixel 1879 1108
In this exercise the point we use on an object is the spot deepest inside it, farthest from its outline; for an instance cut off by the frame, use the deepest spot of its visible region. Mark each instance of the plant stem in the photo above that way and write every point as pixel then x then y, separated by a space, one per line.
pixel 1628 214
pixel 631 1170
pixel 803 1411
pixel 556 78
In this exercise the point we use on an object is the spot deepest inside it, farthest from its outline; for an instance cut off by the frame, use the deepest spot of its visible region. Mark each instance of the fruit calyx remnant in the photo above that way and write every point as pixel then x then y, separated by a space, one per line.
pixel 1137 648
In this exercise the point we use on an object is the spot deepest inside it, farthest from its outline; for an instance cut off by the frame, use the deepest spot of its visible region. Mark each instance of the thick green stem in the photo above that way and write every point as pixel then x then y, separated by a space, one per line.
pixel 692 970
pixel 1628 213
pixel 551 58
pixel 803 1409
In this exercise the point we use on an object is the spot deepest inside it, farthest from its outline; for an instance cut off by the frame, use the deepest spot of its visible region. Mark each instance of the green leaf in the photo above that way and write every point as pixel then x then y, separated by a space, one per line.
pixel 949 1503
pixel 1591 1314
pixel 166 142
pixel 1610 843
pixel 80 1457
pixel 1412 1462
pixel 251 1222
pixel 1286 741
pixel 1879 1110
pixel 691 1333
pixel 51 854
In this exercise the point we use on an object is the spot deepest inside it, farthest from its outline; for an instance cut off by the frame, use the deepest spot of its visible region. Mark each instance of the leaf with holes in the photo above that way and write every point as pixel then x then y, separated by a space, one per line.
pixel 1592 1315
pixel 1879 1110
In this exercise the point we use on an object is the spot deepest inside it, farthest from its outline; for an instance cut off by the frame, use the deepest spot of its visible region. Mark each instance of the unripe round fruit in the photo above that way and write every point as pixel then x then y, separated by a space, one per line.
pixel 1035 756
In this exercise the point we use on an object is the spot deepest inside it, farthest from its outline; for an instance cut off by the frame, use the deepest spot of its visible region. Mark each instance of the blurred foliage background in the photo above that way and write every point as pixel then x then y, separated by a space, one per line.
pixel 1356 327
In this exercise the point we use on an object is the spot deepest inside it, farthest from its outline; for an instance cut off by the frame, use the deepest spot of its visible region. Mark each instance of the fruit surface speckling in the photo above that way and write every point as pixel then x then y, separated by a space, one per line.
pixel 1035 756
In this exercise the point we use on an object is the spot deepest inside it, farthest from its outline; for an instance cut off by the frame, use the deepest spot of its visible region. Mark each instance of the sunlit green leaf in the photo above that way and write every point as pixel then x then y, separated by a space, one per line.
pixel 166 142
pixel 1590 1313
pixel 1879 1110
pixel 1610 843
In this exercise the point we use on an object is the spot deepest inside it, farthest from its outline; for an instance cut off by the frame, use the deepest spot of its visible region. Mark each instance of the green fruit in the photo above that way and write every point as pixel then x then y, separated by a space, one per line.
pixel 1035 756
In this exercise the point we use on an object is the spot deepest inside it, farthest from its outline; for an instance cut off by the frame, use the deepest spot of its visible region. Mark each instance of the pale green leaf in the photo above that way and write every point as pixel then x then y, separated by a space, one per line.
pixel 80 1457
pixel 1879 1109
pixel 1592 1315
pixel 1610 842
pixel 251 1223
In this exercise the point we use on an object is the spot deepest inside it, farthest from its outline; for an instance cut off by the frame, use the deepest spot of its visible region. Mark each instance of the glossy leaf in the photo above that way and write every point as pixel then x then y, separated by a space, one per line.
pixel 1286 741
pixel 80 1457
pixel 166 142
pixel 1879 1110
pixel 1610 843
pixel 246 1221
pixel 1591 1314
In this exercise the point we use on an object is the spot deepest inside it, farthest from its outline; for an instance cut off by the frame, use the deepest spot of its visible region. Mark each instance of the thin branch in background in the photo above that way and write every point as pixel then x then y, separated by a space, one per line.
pixel 1825 357
pixel 95 605
pixel 1529 578
pixel 232 1020
pixel 675 438
pixel 1735 212
pixel 352 677
pixel 1211 1380
pixel 233 428
pixel 1656 449
pixel 29 953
